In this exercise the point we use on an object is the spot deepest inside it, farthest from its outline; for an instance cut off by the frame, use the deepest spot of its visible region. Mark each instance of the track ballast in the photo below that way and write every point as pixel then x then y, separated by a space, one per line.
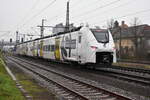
pixel 67 86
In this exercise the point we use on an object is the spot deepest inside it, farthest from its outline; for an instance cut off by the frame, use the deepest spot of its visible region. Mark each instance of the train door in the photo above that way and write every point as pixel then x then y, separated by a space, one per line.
pixel 38 48
pixel 33 48
pixel 41 48
pixel 79 51
pixel 57 48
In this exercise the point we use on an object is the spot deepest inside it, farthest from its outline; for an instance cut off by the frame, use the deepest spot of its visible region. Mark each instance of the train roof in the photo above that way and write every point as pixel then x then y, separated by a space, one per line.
pixel 57 34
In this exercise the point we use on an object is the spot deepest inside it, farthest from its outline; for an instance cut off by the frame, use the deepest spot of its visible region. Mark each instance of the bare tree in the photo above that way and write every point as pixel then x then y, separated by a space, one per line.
pixel 135 23
pixel 110 24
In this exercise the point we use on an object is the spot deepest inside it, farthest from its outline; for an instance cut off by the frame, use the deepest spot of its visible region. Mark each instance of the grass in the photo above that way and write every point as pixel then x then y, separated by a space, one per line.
pixel 28 83
pixel 32 87
pixel 134 65
pixel 8 89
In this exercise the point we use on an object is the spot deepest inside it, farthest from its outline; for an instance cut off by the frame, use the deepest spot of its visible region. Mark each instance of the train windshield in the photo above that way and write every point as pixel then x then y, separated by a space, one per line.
pixel 101 35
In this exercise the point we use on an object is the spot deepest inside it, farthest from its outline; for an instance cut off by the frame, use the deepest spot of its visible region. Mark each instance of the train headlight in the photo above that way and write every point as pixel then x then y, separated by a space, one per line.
pixel 113 48
pixel 94 47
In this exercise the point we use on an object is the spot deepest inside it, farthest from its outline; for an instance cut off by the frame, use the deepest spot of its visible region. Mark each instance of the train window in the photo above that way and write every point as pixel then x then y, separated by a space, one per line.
pixel 48 47
pixel 44 48
pixel 73 44
pixel 52 48
pixel 67 44
pixel 101 35
pixel 70 44
pixel 79 39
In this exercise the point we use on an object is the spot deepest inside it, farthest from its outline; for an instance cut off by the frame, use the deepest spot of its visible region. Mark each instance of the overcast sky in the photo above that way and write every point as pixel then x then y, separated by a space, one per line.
pixel 25 15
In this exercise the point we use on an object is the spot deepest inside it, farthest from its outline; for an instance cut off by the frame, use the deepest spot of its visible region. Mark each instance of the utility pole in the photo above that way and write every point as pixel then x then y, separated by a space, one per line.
pixel 120 38
pixel 10 40
pixel 24 37
pixel 17 36
pixel 67 17
pixel 2 43
pixel 42 28
pixel 22 40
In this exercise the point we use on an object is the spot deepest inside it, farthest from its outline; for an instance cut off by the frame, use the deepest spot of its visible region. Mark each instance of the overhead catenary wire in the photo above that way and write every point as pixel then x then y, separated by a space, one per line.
pixel 29 11
pixel 98 15
pixel 105 20
pixel 5 33
pixel 126 15
pixel 90 11
pixel 57 16
pixel 60 14
pixel 105 11
pixel 77 4
pixel 37 14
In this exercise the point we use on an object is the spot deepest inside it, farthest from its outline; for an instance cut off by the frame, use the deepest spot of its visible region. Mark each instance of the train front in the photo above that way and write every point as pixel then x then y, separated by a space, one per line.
pixel 103 47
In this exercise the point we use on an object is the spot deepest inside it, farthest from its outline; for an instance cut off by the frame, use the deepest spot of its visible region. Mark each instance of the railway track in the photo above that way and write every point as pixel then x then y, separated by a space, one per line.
pixel 135 61
pixel 70 88
pixel 139 70
pixel 131 76
pixel 135 76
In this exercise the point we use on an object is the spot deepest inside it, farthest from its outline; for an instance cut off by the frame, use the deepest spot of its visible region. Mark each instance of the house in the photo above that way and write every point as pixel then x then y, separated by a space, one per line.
pixel 132 42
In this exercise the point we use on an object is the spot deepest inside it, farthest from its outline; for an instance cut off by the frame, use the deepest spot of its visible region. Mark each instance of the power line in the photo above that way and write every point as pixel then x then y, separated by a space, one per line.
pixel 4 33
pixel 87 5
pixel 129 14
pixel 30 10
pixel 60 14
pixel 42 28
pixel 77 2
pixel 89 12
pixel 57 16
pixel 108 10
pixel 143 11
pixel 40 12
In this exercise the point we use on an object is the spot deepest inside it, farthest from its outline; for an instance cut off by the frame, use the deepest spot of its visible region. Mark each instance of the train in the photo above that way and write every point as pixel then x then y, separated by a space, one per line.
pixel 82 45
